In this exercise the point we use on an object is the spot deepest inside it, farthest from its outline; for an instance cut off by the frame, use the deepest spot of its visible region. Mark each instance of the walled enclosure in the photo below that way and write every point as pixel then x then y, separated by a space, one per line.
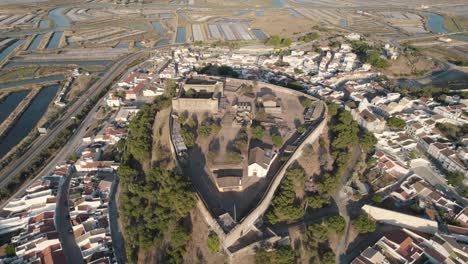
pixel 245 225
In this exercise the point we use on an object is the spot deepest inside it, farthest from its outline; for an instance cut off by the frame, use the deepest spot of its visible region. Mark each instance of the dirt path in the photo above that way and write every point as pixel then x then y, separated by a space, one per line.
pixel 342 202
pixel 161 152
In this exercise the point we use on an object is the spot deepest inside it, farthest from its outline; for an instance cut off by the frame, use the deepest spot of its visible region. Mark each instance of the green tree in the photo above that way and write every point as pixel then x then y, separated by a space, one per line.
pixel 257 132
pixel 337 223
pixel 396 123
pixel 298 71
pixel 176 249
pixel 363 224
pixel 277 140
pixel 377 198
pixel 225 70
pixel 345 132
pixel 278 41
pixel 332 109
pixel 317 201
pixel 284 206
pixel 301 130
pixel 182 119
pixel 189 92
pixel 368 141
pixel 455 178
pixel 73 157
pixel 126 173
pixel 450 131
pixel 242 139
pixel 213 243
pixel 188 137
pixel 204 130
pixel 328 257
pixel 191 123
pixel 375 60
pixel 316 233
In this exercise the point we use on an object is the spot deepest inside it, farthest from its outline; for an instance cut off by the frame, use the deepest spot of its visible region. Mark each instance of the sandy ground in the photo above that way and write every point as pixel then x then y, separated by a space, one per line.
pixel 197 250
pixel 310 160
pixel 280 22
pixel 79 85
pixel 410 65
pixel 161 142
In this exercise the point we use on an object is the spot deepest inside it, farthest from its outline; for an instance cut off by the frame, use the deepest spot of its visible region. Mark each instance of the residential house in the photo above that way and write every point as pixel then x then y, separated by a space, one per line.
pixel 259 161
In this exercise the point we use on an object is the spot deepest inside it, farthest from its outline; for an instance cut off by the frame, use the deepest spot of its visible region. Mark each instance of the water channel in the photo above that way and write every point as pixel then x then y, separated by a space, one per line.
pixel 28 120
pixel 10 102
pixel 31 81
pixel 37 39
pixel 55 40
pixel 180 35
pixel 13 64
pixel 10 48
pixel 59 18
pixel 436 24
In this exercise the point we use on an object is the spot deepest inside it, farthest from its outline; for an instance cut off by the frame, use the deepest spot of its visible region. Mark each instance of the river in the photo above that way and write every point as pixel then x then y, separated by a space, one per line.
pixel 28 120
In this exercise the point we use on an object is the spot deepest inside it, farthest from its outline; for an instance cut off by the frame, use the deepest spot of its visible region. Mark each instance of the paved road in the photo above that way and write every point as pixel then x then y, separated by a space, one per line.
pixel 63 225
pixel 118 242
pixel 425 170
pixel 25 160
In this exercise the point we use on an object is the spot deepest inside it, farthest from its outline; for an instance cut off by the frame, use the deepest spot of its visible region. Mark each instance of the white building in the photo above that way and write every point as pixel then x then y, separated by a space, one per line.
pixel 260 161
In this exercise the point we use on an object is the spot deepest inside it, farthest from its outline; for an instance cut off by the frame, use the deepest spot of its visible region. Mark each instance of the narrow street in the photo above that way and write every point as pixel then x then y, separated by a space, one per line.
pixel 63 225
pixel 118 242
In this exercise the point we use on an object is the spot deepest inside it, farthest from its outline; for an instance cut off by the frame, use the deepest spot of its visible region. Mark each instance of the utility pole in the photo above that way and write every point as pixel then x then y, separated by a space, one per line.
pixel 235 214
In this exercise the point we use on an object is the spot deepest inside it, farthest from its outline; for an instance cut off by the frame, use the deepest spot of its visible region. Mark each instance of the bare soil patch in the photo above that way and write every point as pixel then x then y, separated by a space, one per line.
pixel 197 250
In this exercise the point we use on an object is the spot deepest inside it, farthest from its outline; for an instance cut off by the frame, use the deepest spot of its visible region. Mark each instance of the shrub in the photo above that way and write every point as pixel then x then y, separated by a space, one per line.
pixel 337 223
pixel 204 131
pixel 257 132
pixel 368 141
pixel 213 243
pixel 396 123
pixel 301 130
pixel 455 178
pixel 188 137
pixel 10 250
pixel 277 140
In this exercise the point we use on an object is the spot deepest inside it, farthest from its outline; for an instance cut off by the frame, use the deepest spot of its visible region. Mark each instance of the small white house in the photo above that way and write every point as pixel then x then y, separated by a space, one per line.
pixel 260 161
pixel 113 101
